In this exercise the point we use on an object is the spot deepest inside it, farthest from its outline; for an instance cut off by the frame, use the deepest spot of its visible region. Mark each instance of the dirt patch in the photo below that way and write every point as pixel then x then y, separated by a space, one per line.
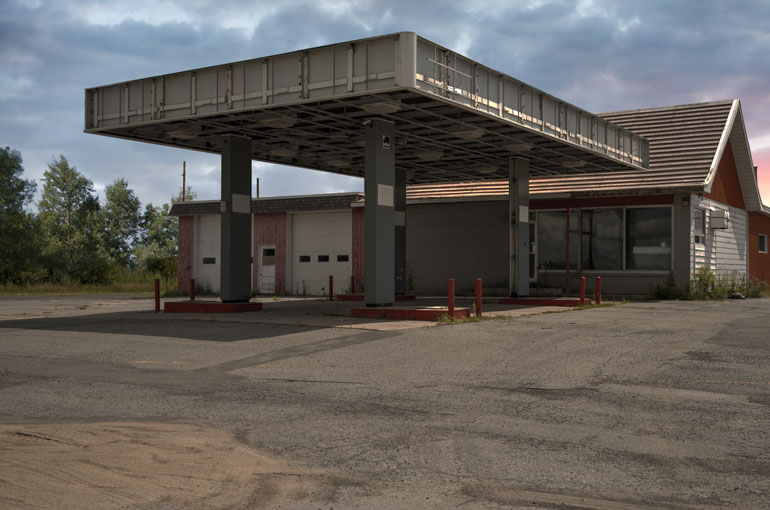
pixel 134 466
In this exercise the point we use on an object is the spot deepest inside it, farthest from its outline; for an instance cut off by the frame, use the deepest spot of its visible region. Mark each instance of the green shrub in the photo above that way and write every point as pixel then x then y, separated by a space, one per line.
pixel 667 290
pixel 163 267
pixel 704 284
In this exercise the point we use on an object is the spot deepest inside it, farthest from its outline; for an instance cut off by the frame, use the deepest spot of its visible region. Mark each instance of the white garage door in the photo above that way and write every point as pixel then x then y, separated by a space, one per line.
pixel 207 252
pixel 322 246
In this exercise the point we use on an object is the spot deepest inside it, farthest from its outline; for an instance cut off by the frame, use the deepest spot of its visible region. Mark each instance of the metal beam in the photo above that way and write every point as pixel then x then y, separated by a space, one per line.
pixel 518 209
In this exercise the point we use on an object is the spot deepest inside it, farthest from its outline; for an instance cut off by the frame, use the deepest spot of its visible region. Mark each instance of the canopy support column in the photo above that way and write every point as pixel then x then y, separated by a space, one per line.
pixel 379 212
pixel 518 209
pixel 235 214
pixel 399 203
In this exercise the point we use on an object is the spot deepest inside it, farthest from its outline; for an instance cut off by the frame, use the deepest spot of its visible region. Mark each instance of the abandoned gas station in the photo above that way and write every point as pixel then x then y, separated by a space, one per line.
pixel 467 173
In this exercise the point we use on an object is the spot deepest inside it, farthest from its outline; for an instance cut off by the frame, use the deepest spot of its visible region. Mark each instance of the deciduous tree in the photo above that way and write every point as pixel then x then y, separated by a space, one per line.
pixel 72 224
pixel 19 244
pixel 122 219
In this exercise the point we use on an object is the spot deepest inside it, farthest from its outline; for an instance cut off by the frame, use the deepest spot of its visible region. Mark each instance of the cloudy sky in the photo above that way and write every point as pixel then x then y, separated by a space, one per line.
pixel 600 55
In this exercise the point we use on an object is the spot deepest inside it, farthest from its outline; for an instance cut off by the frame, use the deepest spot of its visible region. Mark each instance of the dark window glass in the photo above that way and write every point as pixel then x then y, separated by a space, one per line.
pixel 762 243
pixel 323 258
pixel 648 238
pixel 552 241
pixel 209 260
pixel 268 252
pixel 602 239
pixel 699 224
pixel 304 258
pixel 342 258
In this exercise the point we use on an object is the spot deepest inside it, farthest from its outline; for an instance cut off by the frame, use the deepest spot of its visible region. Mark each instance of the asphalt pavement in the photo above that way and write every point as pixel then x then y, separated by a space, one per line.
pixel 638 405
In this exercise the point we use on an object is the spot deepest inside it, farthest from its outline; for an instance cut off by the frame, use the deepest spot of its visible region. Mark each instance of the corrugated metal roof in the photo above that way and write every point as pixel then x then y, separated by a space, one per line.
pixel 684 142
pixel 325 202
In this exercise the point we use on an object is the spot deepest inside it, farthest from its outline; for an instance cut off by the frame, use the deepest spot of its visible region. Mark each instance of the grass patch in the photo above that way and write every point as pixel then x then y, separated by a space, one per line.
pixel 53 288
pixel 445 319
pixel 128 283
pixel 593 305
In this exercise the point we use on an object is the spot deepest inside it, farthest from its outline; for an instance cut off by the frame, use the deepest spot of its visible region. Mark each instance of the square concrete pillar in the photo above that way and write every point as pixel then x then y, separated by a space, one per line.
pixel 235 214
pixel 379 212
pixel 399 207
pixel 518 209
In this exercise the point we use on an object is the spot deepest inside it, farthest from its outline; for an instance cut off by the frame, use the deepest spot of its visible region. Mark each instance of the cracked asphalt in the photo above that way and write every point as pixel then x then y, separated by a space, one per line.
pixel 640 405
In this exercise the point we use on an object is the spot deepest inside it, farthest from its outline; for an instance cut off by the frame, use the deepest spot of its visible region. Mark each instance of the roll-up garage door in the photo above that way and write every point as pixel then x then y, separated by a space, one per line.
pixel 321 247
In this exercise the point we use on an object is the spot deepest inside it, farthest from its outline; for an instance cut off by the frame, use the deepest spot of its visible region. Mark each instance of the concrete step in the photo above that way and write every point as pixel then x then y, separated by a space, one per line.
pixel 546 291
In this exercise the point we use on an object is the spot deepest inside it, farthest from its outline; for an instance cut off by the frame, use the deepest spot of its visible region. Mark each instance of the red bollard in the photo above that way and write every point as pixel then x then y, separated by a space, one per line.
pixel 157 295
pixel 582 290
pixel 451 298
pixel 352 284
pixel 192 289
pixel 331 288
pixel 478 297
pixel 598 290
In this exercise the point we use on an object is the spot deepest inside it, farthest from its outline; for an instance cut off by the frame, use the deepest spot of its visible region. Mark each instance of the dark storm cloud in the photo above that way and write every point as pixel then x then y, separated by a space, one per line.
pixel 598 55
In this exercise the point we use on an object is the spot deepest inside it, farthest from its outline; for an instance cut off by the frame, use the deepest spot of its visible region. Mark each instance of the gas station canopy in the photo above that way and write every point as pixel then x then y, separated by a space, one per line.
pixel 455 119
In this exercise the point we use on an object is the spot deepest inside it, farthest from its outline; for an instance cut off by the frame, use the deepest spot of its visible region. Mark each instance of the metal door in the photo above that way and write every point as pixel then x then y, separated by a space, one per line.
pixel 532 246
pixel 267 269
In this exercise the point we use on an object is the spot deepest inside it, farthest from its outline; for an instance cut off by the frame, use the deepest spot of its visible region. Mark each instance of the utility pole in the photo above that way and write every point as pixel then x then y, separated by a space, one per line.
pixel 184 180
pixel 257 187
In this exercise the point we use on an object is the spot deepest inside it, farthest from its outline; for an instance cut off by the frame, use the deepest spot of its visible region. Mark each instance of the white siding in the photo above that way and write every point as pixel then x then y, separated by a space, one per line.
pixel 723 250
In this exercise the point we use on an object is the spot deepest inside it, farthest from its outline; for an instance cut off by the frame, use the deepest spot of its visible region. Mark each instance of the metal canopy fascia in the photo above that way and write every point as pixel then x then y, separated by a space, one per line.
pixel 296 118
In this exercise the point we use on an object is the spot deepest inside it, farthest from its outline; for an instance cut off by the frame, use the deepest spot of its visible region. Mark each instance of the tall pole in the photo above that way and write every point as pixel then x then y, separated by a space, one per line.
pixel 184 180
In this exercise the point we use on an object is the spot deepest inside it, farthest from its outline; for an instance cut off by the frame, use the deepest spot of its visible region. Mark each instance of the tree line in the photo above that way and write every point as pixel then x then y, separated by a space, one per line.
pixel 74 237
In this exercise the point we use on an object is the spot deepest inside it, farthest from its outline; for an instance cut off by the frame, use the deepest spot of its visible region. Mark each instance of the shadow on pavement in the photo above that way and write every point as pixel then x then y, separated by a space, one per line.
pixel 150 324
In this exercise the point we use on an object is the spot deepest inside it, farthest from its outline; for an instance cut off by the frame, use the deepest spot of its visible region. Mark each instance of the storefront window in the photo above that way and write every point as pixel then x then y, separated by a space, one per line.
pixel 602 239
pixel 648 239
pixel 552 240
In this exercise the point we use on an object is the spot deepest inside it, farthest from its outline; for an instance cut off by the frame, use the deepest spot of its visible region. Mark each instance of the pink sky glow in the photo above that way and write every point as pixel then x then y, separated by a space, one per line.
pixel 762 161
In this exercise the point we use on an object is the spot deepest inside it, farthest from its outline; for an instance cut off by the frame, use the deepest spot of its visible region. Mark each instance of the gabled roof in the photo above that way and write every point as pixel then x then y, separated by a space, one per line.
pixel 686 145
pixel 744 164
pixel 325 202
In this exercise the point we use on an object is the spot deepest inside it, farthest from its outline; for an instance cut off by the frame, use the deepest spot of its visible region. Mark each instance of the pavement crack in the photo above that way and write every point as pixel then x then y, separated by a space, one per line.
pixel 298 351
pixel 312 381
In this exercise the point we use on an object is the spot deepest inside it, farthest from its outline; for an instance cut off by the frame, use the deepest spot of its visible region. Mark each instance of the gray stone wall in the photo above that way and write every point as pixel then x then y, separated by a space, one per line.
pixel 619 283
pixel 682 241
pixel 461 240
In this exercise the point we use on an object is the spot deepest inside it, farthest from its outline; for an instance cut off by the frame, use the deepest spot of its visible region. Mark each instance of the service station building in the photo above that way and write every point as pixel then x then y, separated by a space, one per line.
pixel 467 173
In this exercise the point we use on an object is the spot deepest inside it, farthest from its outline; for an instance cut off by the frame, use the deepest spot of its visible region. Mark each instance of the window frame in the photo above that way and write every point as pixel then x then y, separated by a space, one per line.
pixel 696 233
pixel 759 247
pixel 625 270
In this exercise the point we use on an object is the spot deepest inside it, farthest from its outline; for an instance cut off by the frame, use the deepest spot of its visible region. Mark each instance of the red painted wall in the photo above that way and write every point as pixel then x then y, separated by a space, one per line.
pixel 759 263
pixel 358 247
pixel 270 228
pixel 185 256
pixel 726 188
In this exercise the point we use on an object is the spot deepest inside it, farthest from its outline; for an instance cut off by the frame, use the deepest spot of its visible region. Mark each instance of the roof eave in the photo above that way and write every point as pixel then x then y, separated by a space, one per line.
pixel 721 147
